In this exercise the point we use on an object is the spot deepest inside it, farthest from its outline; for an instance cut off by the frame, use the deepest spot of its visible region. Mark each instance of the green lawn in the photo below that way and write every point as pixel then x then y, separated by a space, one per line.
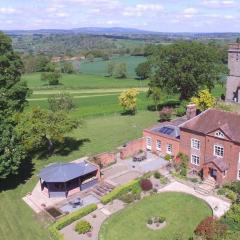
pixel 99 66
pixel 96 135
pixel 183 213
pixel 82 81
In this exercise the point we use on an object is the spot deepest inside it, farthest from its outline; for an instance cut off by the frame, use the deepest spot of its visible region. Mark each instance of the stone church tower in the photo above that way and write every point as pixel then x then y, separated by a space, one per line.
pixel 233 80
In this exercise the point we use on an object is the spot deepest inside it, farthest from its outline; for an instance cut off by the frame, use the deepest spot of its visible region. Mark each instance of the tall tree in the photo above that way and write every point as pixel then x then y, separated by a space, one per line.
pixel 186 67
pixel 12 100
pixel 40 128
pixel 128 100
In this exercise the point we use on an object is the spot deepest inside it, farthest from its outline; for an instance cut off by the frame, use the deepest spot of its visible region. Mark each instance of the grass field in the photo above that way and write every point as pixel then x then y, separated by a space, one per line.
pixel 182 212
pixel 99 66
pixel 82 81
pixel 96 135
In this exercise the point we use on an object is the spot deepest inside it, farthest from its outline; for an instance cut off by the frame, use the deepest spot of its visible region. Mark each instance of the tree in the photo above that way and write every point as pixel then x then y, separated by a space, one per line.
pixel 110 68
pixel 120 70
pixel 238 40
pixel 13 95
pixel 186 67
pixel 51 77
pixel 67 67
pixel 143 70
pixel 61 102
pixel 128 100
pixel 41 62
pixel 155 93
pixel 40 128
pixel 204 100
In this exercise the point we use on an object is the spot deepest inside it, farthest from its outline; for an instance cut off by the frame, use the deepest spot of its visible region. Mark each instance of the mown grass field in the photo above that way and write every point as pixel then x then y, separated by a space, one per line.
pixel 99 66
pixel 182 212
pixel 82 81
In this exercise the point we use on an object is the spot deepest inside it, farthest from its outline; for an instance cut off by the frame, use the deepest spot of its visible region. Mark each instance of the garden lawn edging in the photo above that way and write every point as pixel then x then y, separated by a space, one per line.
pixel 68 219
pixel 118 191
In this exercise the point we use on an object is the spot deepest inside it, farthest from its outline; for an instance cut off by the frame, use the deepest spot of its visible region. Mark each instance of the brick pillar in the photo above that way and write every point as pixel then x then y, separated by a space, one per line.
pixel 205 172
pixel 191 111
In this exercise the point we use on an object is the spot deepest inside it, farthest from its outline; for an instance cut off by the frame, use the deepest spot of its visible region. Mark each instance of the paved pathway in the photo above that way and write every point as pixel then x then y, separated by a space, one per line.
pixel 218 205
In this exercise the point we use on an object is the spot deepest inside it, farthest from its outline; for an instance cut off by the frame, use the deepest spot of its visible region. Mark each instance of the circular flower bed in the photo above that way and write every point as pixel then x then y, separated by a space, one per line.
pixel 156 223
pixel 83 227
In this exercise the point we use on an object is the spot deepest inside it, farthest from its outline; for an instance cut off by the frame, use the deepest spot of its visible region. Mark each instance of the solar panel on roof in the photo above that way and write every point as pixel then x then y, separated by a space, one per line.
pixel 166 130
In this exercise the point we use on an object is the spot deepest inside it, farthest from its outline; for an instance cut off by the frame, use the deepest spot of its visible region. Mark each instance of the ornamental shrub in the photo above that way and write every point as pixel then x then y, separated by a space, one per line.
pixel 231 195
pixel 157 175
pixel 168 157
pixel 165 114
pixel 211 229
pixel 83 227
pixel 146 184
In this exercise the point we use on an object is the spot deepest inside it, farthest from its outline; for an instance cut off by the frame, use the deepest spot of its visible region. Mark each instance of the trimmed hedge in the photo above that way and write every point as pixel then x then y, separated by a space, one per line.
pixel 118 191
pixel 67 220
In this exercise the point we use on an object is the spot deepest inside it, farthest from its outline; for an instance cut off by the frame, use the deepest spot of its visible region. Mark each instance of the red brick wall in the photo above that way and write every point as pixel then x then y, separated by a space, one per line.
pixel 231 152
pixel 106 158
pixel 164 141
pixel 132 148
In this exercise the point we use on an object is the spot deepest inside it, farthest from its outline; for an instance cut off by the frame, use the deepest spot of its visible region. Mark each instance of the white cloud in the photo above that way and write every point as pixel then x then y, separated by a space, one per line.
pixel 140 9
pixel 189 12
pixel 8 10
pixel 219 3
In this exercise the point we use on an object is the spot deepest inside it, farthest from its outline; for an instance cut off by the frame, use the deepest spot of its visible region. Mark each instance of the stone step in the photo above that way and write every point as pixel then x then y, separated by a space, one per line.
pixel 202 191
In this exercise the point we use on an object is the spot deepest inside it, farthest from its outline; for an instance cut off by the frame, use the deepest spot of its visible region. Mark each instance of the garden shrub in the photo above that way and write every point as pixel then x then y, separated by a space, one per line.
pixel 232 217
pixel 157 175
pixel 150 221
pixel 146 184
pixel 119 191
pixel 180 111
pixel 83 227
pixel 211 229
pixel 221 191
pixel 168 157
pixel 231 195
pixel 165 114
pixel 55 234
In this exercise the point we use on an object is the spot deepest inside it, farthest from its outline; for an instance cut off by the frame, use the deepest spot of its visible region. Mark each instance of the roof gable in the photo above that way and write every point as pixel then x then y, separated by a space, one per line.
pixel 213 120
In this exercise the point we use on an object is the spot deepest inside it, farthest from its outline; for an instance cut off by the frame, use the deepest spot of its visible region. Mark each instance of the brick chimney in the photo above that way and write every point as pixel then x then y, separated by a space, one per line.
pixel 191 111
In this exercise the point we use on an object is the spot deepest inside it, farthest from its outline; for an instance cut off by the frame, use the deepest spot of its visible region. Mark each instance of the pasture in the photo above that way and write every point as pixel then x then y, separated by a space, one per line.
pixel 99 66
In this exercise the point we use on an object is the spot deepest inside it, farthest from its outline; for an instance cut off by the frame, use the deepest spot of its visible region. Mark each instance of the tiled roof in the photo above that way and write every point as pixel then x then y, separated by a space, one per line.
pixel 212 120
pixel 219 162
pixel 63 172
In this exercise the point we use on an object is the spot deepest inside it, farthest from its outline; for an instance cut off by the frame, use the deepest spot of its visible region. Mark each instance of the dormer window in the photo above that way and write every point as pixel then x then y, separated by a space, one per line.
pixel 219 134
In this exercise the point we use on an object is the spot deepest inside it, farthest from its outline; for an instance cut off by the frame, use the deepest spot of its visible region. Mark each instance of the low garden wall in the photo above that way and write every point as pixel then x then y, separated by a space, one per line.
pixel 132 148
pixel 106 158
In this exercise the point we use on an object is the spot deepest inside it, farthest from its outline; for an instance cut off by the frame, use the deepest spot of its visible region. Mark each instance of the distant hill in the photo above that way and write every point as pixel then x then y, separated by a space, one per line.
pixel 84 30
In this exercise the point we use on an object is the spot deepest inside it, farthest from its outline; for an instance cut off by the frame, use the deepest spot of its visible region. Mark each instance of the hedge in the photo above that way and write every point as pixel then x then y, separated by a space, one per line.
pixel 68 219
pixel 118 191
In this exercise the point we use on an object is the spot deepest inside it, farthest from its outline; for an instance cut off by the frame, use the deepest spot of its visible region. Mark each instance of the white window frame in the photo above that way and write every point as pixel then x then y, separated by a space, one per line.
pixel 149 143
pixel 169 148
pixel 158 145
pixel 195 160
pixel 219 134
pixel 195 143
pixel 215 150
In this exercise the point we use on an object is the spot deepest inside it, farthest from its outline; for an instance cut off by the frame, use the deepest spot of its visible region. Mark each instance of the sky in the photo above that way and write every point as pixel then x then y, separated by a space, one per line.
pixel 154 15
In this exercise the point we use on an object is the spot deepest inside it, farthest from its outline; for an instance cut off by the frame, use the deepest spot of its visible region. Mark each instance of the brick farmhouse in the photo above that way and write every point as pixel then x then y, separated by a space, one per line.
pixel 211 140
